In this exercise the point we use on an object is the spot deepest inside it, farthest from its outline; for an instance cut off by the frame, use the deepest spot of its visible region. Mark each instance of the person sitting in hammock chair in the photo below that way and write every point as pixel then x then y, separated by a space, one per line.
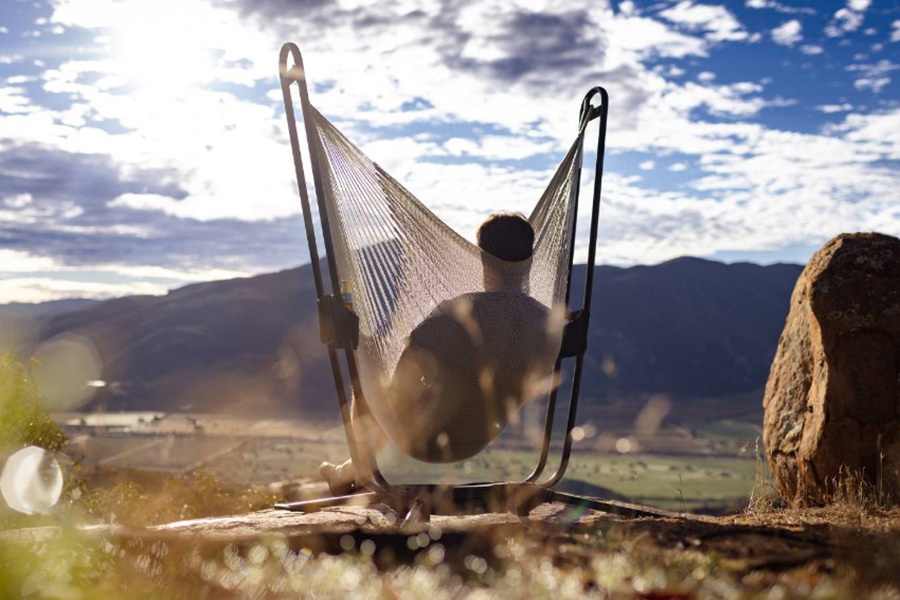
pixel 471 364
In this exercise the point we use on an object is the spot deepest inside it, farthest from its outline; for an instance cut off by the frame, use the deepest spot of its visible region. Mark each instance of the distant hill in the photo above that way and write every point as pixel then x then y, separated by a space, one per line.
pixel 687 327
pixel 45 309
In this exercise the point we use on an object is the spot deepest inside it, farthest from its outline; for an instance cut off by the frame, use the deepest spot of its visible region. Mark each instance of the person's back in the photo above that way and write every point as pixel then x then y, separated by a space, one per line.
pixel 478 357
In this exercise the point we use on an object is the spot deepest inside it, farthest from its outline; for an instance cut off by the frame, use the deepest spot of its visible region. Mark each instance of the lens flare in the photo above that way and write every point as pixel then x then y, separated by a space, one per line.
pixel 67 370
pixel 31 481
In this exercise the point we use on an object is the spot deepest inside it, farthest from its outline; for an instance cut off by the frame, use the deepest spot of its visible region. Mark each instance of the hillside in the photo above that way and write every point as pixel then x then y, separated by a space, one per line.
pixel 687 327
pixel 44 309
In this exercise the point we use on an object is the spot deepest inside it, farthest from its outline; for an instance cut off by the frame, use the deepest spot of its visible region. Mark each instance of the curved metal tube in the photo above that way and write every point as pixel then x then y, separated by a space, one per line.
pixel 587 113
pixel 360 450
pixel 602 112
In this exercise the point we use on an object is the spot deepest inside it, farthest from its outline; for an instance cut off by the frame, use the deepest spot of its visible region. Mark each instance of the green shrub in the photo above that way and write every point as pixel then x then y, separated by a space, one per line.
pixel 23 422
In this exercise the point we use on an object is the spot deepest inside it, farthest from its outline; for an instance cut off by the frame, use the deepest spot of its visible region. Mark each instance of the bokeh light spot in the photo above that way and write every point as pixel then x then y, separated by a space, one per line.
pixel 31 481
pixel 65 368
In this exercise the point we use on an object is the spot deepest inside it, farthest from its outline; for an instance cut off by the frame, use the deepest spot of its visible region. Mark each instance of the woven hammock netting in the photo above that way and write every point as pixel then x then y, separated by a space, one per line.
pixel 402 261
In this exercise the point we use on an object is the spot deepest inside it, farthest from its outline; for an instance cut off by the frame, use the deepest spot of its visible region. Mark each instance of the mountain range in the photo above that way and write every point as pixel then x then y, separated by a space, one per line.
pixel 686 328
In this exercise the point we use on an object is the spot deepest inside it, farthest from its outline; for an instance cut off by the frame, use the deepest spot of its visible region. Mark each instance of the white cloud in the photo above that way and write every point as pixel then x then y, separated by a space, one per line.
pixel 833 108
pixel 43 289
pixel 734 99
pixel 14 101
pixel 22 210
pixel 871 83
pixel 192 54
pixel 847 19
pixel 166 204
pixel 228 150
pixel 873 76
pixel 678 167
pixel 788 33
pixel 716 21
pixel 16 261
pixel 811 49
pixel 648 37
pixel 18 201
pixel 647 165
pixel 844 21
pixel 877 134
pixel 18 79
pixel 895 33
pixel 495 147
pixel 778 7
pixel 25 277
pixel 628 8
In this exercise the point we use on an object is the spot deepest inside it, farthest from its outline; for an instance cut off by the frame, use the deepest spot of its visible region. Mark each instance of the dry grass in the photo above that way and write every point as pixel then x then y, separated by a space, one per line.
pixel 848 549
pixel 143 498
pixel 784 553
pixel 764 495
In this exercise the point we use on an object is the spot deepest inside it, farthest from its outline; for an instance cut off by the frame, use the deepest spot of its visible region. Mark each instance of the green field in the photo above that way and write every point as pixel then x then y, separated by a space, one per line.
pixel 671 482
pixel 693 466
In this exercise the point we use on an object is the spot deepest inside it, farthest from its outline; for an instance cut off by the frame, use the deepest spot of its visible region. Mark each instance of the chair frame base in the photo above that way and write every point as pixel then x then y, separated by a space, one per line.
pixel 418 503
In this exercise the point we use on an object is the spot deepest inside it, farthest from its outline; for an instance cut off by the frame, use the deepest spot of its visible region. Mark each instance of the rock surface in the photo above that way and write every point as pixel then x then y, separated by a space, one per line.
pixel 328 530
pixel 832 402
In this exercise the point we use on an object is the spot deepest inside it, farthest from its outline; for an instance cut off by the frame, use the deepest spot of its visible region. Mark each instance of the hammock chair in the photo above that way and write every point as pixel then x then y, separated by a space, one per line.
pixel 401 262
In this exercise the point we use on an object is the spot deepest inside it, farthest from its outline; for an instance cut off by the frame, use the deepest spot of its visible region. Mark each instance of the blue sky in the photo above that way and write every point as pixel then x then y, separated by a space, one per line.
pixel 143 145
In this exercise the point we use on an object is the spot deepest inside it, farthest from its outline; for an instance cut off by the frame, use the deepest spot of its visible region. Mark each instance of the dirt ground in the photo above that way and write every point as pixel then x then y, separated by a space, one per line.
pixel 845 549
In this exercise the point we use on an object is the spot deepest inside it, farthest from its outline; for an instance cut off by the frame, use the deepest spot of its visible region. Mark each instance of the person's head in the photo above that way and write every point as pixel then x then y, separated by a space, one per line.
pixel 506 235
pixel 509 237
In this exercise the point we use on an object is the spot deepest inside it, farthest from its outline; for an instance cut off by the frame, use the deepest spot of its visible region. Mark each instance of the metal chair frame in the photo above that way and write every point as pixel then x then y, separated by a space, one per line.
pixel 418 502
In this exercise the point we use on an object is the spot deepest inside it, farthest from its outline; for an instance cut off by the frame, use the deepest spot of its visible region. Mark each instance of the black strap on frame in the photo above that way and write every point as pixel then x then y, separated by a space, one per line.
pixel 575 334
pixel 338 324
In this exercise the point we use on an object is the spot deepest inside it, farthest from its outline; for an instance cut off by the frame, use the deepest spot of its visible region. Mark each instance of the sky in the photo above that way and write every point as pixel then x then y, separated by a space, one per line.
pixel 143 143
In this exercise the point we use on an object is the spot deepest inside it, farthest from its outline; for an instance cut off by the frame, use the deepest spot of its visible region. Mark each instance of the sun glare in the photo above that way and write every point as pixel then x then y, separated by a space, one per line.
pixel 154 52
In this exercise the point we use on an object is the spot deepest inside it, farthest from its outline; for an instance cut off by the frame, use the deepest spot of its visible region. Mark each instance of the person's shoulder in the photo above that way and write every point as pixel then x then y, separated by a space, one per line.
pixel 442 321
pixel 485 305
pixel 515 302
pixel 459 305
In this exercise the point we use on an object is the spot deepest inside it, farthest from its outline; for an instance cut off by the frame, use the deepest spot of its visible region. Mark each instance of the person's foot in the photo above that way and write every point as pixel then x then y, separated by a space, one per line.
pixel 341 478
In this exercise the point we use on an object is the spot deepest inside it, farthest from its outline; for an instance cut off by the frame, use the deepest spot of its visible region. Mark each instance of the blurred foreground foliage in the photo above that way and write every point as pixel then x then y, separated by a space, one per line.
pixel 129 497
pixel 23 422
pixel 600 565
pixel 142 498
pixel 70 561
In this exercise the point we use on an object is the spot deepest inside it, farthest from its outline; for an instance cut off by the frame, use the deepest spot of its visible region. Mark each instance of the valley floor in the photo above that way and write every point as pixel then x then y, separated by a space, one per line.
pixel 710 467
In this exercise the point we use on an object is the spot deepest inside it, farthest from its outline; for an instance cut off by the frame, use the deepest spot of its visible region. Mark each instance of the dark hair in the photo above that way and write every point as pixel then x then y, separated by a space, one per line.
pixel 506 235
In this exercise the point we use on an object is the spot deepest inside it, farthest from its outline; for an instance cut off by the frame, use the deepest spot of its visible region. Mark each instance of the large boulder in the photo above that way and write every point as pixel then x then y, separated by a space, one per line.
pixel 832 402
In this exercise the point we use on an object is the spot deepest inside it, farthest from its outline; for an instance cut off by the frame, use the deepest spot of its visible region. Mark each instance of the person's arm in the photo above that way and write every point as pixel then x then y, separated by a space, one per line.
pixel 409 383
pixel 416 393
